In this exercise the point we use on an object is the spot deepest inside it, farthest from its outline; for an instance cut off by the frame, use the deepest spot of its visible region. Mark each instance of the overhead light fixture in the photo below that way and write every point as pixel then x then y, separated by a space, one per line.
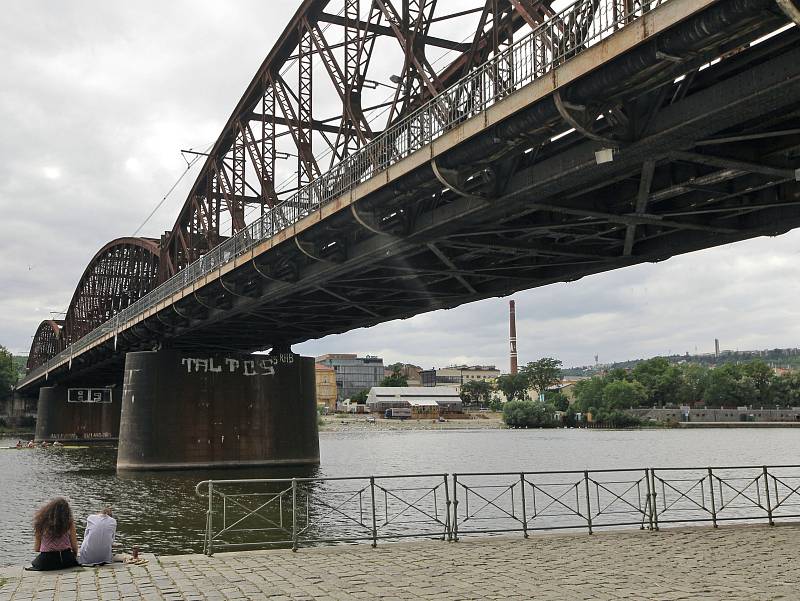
pixel 395 79
pixel 372 84
pixel 604 155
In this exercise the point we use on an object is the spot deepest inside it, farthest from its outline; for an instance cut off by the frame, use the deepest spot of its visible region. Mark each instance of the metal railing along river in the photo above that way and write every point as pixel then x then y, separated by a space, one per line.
pixel 559 38
pixel 295 512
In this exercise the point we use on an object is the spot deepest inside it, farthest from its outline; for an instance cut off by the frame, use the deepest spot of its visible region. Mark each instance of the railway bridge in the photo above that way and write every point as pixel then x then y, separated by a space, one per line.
pixel 380 165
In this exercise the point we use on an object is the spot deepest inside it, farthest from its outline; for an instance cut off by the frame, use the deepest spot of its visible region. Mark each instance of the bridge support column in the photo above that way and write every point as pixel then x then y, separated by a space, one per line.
pixel 204 410
pixel 57 419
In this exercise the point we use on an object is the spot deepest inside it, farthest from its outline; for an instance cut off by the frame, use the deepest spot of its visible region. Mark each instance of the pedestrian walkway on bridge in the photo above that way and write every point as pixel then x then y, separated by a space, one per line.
pixel 729 563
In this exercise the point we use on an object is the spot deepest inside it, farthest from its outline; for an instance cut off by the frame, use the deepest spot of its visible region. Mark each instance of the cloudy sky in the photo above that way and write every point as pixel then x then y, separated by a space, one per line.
pixel 99 97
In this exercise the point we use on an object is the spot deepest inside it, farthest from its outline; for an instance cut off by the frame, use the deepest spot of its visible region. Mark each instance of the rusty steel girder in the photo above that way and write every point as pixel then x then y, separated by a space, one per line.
pixel 47 342
pixel 318 97
pixel 121 272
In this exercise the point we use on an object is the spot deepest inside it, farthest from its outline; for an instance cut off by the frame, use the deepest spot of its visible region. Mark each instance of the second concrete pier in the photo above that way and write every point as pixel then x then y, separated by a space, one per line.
pixel 190 410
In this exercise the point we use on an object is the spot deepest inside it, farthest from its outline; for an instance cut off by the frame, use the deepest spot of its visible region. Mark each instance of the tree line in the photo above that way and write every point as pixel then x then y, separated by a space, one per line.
pixel 655 383
pixel 536 376
pixel 8 373
pixel 659 383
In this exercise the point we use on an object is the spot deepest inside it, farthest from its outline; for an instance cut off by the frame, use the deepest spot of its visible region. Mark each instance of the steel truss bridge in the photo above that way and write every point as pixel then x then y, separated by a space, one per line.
pixel 379 166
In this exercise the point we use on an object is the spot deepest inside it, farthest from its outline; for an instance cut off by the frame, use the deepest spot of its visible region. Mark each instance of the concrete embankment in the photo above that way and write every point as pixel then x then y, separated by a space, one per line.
pixel 730 563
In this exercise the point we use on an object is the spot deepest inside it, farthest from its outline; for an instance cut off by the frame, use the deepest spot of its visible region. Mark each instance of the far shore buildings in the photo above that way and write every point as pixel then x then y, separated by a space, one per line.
pixel 424 401
pixel 353 373
pixel 458 375
pixel 326 386
pixel 407 370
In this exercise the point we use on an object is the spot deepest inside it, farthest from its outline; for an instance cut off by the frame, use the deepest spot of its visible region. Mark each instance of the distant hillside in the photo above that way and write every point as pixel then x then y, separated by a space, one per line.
pixel 787 358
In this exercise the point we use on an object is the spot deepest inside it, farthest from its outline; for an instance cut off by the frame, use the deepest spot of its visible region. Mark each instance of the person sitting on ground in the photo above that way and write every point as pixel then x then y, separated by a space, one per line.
pixel 54 536
pixel 19 444
pixel 31 444
pixel 98 538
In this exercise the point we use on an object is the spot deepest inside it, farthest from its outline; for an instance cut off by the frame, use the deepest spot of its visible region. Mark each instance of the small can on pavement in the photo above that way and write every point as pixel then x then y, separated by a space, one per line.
pixel 135 552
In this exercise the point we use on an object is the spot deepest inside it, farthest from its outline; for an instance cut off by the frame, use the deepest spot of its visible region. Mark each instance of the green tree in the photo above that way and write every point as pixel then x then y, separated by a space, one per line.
pixel 728 385
pixel 515 386
pixel 662 381
pixel 693 382
pixel 622 394
pixel 476 391
pixel 557 399
pixel 542 374
pixel 785 390
pixel 528 414
pixel 761 375
pixel 360 396
pixel 8 374
pixel 618 374
pixel 396 379
pixel 589 393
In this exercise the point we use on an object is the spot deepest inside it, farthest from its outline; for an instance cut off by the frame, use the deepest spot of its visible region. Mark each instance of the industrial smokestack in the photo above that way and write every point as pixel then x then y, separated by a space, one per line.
pixel 512 331
pixel 716 347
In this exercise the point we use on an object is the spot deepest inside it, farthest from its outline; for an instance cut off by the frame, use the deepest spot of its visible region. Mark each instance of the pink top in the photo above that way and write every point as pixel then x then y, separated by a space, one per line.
pixel 55 543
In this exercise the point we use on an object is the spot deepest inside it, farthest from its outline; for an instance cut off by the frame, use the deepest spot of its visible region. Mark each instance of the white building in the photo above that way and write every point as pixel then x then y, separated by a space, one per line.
pixel 423 400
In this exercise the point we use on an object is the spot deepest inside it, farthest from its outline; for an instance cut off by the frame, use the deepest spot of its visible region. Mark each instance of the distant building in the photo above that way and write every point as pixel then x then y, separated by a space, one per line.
pixel 353 373
pixel 424 401
pixel 458 375
pixel 410 372
pixel 326 386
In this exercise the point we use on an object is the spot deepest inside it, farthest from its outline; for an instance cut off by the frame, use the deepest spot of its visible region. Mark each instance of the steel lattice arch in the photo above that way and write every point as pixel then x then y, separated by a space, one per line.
pixel 494 146
pixel 47 342
pixel 121 272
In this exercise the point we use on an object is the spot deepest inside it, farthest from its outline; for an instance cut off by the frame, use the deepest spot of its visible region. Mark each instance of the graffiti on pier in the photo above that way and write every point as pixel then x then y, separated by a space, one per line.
pixel 228 365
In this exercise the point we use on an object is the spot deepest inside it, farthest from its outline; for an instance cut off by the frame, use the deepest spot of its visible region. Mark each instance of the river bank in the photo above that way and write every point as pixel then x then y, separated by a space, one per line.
pixel 358 423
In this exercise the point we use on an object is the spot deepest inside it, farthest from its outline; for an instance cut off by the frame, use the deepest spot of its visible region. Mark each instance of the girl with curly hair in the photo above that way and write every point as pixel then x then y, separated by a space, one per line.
pixel 54 536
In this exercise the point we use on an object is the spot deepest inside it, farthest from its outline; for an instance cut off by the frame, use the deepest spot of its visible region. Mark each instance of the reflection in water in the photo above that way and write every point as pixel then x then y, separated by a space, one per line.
pixel 159 511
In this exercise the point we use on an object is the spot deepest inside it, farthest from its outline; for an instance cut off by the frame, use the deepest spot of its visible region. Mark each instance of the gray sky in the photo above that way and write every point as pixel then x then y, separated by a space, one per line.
pixel 99 97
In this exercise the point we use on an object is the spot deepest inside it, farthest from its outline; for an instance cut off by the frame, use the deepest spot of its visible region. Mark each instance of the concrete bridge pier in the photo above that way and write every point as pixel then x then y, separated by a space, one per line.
pixel 183 410
pixel 83 415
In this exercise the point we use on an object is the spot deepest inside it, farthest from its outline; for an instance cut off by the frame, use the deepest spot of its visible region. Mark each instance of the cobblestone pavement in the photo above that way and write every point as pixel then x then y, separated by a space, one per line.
pixel 736 562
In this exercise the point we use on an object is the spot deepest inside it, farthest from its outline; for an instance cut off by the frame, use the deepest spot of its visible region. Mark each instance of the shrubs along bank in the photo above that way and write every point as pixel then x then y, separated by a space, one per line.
pixel 657 383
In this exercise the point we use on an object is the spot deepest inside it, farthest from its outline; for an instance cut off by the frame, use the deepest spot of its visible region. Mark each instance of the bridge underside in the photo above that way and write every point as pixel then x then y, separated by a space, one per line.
pixel 706 160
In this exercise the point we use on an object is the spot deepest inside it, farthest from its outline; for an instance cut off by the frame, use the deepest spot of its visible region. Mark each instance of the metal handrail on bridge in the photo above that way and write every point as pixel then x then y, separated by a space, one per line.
pixel 294 512
pixel 561 37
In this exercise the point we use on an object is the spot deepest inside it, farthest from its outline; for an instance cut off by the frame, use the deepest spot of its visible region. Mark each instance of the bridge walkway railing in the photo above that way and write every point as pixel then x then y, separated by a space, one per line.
pixel 561 37
pixel 296 512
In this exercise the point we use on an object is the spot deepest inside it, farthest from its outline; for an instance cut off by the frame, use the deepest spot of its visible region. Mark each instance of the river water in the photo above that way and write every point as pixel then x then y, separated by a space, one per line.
pixel 160 513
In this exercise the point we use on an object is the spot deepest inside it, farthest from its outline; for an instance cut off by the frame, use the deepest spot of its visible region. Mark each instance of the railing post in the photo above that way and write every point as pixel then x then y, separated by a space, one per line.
pixel 649 501
pixel 654 506
pixel 588 502
pixel 713 501
pixel 524 514
pixel 294 514
pixel 769 503
pixel 447 523
pixel 455 507
pixel 374 521
pixel 209 518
